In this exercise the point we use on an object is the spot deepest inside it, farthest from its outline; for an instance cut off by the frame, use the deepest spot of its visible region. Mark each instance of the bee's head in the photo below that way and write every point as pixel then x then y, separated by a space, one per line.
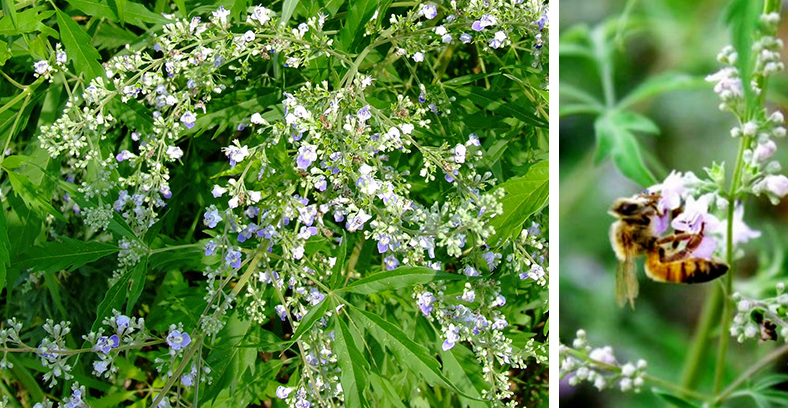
pixel 633 207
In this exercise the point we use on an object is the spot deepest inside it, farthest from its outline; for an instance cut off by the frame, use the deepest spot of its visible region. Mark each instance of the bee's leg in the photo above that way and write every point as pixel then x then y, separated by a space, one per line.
pixel 693 241
pixel 675 238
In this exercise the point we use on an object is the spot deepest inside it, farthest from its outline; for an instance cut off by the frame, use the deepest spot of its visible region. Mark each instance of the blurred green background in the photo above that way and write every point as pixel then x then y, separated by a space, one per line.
pixel 663 36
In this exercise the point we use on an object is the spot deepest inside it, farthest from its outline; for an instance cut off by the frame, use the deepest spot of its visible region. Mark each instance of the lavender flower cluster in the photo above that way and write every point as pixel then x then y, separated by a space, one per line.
pixel 267 210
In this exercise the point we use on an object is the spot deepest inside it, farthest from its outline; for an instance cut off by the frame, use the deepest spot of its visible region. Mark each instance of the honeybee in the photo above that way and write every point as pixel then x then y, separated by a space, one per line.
pixel 633 234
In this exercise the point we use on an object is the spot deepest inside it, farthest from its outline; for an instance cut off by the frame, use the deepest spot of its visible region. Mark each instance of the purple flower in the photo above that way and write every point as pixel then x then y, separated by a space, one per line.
pixel 221 14
pixel 177 340
pixel 486 21
pixel 465 38
pixel 536 272
pixel 452 337
pixel 695 217
pixel 357 222
pixel 282 392
pixel 383 243
pixel 306 155
pixel 99 366
pixel 212 217
pixel 188 119
pixel 490 257
pixel 105 344
pixel 425 302
pixel 281 311
pixel 391 262
pixel 741 232
pixel 542 21
pixel 122 322
pixel 363 114
pixel 321 184
pixel 123 155
pixel 498 40
pixel 233 258
pixel 236 154
pixel 429 11
pixel 471 271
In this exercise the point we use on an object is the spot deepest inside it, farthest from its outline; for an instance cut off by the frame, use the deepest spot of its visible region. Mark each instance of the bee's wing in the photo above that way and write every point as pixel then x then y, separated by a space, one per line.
pixel 626 282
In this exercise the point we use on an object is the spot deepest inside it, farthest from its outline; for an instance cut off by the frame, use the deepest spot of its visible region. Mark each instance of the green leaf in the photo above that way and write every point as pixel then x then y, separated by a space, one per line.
pixel 656 85
pixel 623 147
pixel 137 284
pixel 113 299
pixel 28 21
pixel 455 372
pixel 314 315
pixel 5 248
pixel 673 399
pixel 120 6
pixel 742 16
pixel 66 254
pixel 383 387
pixel 359 12
pixel 77 43
pixel 412 354
pixel 24 188
pixel 497 102
pixel 635 122
pixel 288 7
pixel 524 196
pixel 397 279
pixel 136 14
pixel 353 365
pixel 228 361
pixel 10 10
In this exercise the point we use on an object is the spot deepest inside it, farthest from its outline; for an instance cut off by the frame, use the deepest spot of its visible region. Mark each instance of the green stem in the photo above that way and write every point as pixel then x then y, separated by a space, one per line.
pixel 727 304
pixel 750 372
pixel 699 343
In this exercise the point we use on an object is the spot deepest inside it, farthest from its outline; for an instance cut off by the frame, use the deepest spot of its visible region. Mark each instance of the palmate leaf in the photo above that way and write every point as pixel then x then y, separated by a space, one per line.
pixel 673 399
pixel 524 196
pixel 397 279
pixel 353 365
pixel 412 354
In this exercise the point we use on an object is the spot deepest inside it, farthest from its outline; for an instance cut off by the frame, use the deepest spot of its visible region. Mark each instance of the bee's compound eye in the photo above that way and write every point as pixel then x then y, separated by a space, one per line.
pixel 628 208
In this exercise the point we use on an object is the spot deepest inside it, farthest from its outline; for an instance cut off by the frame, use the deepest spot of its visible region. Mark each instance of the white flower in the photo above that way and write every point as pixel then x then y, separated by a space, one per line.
pixel 174 152
pixel 221 14
pixel 429 11
pixel 407 128
pixel 41 67
pixel 418 57
pixel 260 14
pixel 776 184
pixel 257 119
pixel 218 191
pixel 459 153
pixel 765 150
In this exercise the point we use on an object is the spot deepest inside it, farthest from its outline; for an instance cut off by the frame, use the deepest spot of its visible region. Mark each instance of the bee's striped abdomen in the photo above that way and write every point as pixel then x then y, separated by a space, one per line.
pixel 690 270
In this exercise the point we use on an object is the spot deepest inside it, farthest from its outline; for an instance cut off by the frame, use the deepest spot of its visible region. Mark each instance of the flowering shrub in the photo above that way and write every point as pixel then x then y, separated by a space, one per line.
pixel 704 218
pixel 231 205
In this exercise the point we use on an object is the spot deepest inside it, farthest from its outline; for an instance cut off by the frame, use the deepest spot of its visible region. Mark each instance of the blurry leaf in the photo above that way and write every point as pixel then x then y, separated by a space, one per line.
pixel 619 143
pixel 133 114
pixel 524 196
pixel 136 14
pixel 397 279
pixel 24 377
pixel 353 365
pixel 634 122
pixel 77 44
pixel 467 79
pixel 5 248
pixel 673 399
pixel 571 92
pixel 742 16
pixel 67 254
pixel 572 109
pixel 667 82
pixel 408 352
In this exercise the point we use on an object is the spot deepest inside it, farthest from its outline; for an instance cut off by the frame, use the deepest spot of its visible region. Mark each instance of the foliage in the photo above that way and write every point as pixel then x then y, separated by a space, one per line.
pixel 300 204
